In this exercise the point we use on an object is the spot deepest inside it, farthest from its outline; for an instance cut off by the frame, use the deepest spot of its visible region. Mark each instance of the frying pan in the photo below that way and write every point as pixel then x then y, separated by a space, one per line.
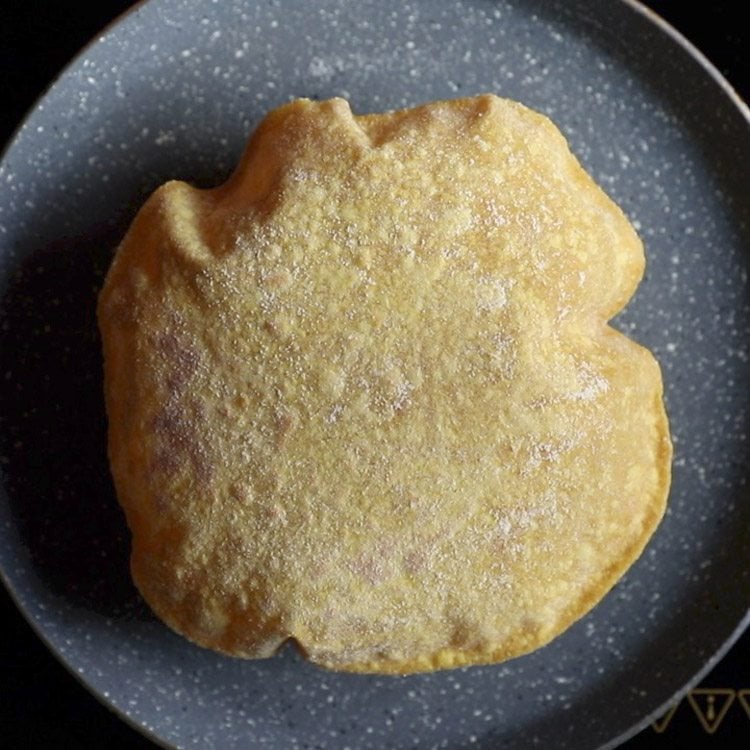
pixel 172 91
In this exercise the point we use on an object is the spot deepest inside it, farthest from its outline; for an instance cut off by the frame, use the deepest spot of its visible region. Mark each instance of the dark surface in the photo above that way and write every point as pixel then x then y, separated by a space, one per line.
pixel 41 705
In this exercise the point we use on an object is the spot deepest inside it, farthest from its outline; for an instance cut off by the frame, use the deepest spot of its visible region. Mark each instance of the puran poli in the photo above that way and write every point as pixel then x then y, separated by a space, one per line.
pixel 364 395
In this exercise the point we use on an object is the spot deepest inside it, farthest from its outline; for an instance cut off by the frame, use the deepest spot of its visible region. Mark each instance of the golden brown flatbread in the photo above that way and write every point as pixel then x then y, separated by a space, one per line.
pixel 364 395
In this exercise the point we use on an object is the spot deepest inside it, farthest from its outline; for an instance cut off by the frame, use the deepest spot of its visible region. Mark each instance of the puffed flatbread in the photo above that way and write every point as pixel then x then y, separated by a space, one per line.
pixel 364 396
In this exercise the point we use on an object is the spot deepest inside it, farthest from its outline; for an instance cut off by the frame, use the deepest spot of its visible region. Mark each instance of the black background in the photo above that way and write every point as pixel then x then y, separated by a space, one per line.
pixel 41 704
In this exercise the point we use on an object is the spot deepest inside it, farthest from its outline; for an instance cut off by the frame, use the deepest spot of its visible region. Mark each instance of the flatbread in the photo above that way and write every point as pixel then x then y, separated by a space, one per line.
pixel 364 396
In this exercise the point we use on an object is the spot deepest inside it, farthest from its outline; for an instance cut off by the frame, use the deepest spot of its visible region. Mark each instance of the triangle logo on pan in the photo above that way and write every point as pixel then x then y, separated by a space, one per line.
pixel 711 705
pixel 662 722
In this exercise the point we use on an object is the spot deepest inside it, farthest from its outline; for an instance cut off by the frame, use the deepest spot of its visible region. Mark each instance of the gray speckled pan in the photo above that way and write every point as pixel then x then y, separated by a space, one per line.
pixel 172 91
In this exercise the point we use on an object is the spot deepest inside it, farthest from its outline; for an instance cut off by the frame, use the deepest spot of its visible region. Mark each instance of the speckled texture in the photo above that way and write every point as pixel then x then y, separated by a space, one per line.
pixel 172 92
